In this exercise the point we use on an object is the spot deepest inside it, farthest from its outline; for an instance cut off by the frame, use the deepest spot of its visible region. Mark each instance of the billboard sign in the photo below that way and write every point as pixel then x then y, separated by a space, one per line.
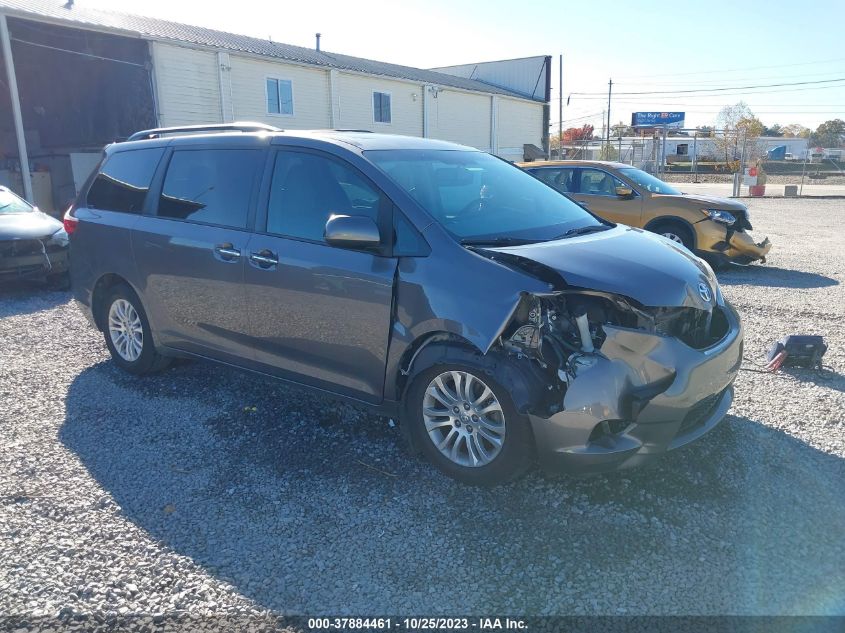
pixel 658 119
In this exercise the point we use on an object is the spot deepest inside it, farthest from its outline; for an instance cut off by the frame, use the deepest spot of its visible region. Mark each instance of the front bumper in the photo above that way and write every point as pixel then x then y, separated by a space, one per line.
pixel 736 247
pixel 30 264
pixel 657 393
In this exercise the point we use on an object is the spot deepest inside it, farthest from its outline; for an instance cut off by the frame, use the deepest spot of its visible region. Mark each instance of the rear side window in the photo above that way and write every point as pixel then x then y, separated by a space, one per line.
pixel 210 186
pixel 308 188
pixel 123 180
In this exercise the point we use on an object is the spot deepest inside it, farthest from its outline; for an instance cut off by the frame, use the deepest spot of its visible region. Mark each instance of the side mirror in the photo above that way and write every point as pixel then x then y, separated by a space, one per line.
pixel 352 231
pixel 624 192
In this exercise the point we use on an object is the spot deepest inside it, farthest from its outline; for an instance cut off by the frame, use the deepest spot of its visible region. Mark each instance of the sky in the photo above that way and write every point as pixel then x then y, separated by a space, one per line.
pixel 647 46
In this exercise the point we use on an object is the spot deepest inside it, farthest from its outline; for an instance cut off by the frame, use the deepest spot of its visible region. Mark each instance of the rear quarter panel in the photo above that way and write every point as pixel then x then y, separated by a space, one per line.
pixel 101 245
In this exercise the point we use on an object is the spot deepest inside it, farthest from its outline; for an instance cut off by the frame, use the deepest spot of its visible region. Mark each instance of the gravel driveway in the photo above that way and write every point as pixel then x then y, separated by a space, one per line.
pixel 212 491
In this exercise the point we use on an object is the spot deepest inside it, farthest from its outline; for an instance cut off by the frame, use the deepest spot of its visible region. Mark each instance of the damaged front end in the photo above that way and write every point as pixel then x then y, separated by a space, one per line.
pixel 623 381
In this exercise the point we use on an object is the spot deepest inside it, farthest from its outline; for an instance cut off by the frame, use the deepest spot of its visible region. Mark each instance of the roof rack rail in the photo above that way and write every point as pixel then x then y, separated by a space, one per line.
pixel 343 129
pixel 215 127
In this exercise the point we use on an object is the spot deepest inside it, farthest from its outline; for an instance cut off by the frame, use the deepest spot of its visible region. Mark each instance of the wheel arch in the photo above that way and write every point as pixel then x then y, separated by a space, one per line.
pixel 525 385
pixel 101 289
pixel 673 219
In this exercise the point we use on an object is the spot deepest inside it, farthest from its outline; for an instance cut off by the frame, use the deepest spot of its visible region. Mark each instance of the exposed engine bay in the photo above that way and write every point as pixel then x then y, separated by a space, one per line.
pixel 563 332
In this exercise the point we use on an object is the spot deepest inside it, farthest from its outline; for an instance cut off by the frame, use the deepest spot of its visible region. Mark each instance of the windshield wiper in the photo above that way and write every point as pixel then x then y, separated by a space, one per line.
pixel 583 230
pixel 497 241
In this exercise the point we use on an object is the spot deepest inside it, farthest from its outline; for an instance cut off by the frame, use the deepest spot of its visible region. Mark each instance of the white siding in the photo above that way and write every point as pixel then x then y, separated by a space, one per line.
pixel 187 85
pixel 519 122
pixel 311 106
pixel 355 93
pixel 460 117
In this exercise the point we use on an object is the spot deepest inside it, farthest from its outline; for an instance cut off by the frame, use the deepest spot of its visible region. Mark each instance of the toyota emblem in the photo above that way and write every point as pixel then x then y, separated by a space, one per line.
pixel 704 291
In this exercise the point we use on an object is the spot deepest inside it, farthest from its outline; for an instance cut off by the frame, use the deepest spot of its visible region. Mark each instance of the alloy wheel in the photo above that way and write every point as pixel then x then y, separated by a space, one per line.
pixel 126 330
pixel 464 419
pixel 673 236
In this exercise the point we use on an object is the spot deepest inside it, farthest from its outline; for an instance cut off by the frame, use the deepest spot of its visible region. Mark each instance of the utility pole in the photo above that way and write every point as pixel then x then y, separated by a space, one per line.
pixel 560 113
pixel 603 128
pixel 609 88
pixel 17 118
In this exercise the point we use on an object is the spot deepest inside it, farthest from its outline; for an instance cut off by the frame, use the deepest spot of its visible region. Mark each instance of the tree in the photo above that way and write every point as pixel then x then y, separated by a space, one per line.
pixel 774 130
pixel 576 134
pixel 740 130
pixel 705 130
pixel 572 135
pixel 621 129
pixel 796 130
pixel 829 134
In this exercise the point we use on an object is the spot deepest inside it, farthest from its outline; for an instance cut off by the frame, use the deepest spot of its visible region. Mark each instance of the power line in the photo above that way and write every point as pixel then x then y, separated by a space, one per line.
pixel 734 70
pixel 746 94
pixel 656 92
pixel 722 80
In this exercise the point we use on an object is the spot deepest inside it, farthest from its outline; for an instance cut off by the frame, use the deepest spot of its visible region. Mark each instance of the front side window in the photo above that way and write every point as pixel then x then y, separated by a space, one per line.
pixel 560 179
pixel 597 182
pixel 123 180
pixel 10 203
pixel 308 188
pixel 476 196
pixel 381 107
pixel 279 96
pixel 210 186
pixel 648 182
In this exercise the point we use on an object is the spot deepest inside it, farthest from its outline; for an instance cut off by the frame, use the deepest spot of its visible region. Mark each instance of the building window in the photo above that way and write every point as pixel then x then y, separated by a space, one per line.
pixel 683 149
pixel 381 107
pixel 279 96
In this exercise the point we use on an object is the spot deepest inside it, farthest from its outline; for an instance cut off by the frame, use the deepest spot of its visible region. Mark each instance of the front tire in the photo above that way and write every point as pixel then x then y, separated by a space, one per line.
pixel 467 426
pixel 675 231
pixel 127 333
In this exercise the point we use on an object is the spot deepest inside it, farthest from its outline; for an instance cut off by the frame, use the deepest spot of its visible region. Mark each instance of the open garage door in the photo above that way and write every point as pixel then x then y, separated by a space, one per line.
pixel 79 90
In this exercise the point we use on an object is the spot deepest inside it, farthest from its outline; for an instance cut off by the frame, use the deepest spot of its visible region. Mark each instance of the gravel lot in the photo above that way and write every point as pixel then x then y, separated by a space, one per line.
pixel 171 494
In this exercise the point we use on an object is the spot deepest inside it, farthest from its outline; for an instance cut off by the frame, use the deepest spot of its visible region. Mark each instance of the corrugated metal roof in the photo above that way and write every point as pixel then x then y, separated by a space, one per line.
pixel 97 19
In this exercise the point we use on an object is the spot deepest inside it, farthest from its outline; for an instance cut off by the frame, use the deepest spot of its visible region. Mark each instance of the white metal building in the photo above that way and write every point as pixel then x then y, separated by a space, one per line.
pixel 178 74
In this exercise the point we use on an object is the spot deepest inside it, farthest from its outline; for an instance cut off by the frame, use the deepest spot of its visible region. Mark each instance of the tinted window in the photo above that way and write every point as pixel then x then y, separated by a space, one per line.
pixel 406 239
pixel 596 182
pixel 308 188
pixel 124 180
pixel 211 186
pixel 560 179
pixel 477 196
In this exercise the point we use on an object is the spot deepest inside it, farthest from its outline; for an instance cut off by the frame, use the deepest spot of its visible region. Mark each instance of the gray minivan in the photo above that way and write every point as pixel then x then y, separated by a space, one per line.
pixel 499 321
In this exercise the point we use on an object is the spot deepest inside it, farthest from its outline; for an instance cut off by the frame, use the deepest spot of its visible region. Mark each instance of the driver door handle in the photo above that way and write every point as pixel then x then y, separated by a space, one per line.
pixel 227 252
pixel 264 259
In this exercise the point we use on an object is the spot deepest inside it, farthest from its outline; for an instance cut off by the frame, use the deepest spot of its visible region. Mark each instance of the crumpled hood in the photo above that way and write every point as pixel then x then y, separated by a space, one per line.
pixel 711 202
pixel 23 226
pixel 645 267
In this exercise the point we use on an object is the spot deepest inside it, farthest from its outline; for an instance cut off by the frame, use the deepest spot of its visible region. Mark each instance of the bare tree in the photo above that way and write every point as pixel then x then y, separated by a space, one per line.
pixel 740 131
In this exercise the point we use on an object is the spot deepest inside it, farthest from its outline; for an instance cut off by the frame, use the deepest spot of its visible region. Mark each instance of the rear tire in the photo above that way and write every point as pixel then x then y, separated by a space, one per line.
pixel 127 333
pixel 437 413
pixel 675 231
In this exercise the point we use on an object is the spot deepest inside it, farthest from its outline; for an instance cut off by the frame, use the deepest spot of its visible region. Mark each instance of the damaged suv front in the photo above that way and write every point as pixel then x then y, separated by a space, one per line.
pixel 630 379
pixel 602 345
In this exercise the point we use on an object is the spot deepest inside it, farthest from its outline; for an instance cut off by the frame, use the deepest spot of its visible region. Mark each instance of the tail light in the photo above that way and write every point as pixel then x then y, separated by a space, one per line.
pixel 69 221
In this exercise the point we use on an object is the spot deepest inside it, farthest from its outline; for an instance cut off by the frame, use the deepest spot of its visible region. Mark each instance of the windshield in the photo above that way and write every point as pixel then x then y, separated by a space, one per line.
pixel 10 203
pixel 478 197
pixel 648 182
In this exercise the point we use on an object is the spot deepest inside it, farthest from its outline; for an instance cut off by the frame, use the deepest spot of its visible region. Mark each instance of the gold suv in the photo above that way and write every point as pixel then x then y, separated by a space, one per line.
pixel 714 228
